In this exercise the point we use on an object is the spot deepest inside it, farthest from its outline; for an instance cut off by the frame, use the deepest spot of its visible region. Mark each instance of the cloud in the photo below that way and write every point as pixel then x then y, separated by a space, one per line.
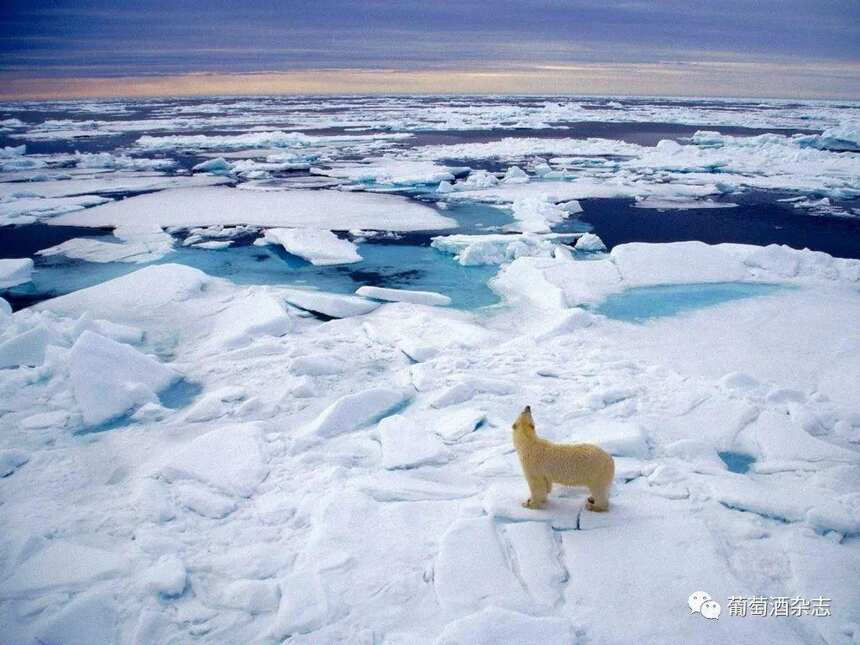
pixel 711 78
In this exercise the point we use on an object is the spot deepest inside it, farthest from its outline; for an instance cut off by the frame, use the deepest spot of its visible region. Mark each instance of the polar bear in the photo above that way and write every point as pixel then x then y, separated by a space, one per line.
pixel 571 464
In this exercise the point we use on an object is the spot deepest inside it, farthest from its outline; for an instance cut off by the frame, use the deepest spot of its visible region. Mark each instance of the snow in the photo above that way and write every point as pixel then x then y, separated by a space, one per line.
pixel 495 625
pixel 407 445
pixel 354 411
pixel 303 606
pixel 320 248
pixel 166 577
pixel 63 564
pixel 90 618
pixel 243 321
pixel 15 272
pixel 109 378
pixel 229 459
pixel 26 348
pixel 471 569
pixel 252 596
pixel 11 460
pixel 293 208
pixel 404 295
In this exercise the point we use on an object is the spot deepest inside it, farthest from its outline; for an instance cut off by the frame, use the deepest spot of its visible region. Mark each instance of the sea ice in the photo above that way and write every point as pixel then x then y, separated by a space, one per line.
pixel 329 304
pixel 291 208
pixel 319 247
pixel 229 459
pixel 355 411
pixel 15 272
pixel 495 625
pixel 109 378
pixel 404 295
pixel 405 444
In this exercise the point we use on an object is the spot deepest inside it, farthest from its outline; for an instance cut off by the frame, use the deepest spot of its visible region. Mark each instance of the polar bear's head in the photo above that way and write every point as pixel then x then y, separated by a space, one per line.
pixel 525 424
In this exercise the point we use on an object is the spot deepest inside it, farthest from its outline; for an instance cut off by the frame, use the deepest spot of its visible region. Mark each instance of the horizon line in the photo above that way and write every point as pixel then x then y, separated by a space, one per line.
pixel 709 80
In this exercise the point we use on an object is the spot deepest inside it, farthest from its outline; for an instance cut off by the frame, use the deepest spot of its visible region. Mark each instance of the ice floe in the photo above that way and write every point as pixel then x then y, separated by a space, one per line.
pixel 294 208
pixel 319 247
pixel 15 271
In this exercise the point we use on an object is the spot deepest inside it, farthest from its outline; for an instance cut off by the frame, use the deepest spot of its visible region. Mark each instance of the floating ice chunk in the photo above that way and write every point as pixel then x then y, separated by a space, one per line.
pixel 317 209
pixel 214 245
pixel 840 138
pixel 63 564
pixel 404 295
pixel 493 625
pixel 680 203
pixel 26 210
pixel 137 244
pixel 537 214
pixel 11 460
pixel 406 445
pixel 355 411
pixel 92 617
pixel 558 283
pixel 217 166
pixel 332 305
pixel 252 596
pixel 166 577
pixel 247 319
pixel 320 248
pixel 120 162
pixel 109 379
pixel 394 172
pixel 497 248
pixel 15 272
pixel 303 607
pixel 589 242
pixel 229 459
pixel 515 175
pixel 471 568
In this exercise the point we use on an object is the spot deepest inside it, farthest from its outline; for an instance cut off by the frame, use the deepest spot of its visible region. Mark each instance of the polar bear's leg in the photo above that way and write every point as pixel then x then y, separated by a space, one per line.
pixel 548 485
pixel 538 490
pixel 598 501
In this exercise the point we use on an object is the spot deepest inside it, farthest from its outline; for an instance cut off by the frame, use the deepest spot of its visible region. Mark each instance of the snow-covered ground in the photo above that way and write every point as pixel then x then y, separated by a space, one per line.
pixel 189 457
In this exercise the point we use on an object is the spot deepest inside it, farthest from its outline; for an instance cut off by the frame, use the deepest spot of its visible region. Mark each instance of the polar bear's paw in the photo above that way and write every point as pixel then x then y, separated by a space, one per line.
pixel 530 503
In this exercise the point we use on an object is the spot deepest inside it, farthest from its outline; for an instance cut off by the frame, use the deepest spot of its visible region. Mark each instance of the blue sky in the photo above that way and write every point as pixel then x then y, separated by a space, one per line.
pixel 796 48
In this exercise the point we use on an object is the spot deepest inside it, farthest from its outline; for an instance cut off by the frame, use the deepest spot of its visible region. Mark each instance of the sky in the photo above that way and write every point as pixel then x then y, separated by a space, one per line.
pixel 779 48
